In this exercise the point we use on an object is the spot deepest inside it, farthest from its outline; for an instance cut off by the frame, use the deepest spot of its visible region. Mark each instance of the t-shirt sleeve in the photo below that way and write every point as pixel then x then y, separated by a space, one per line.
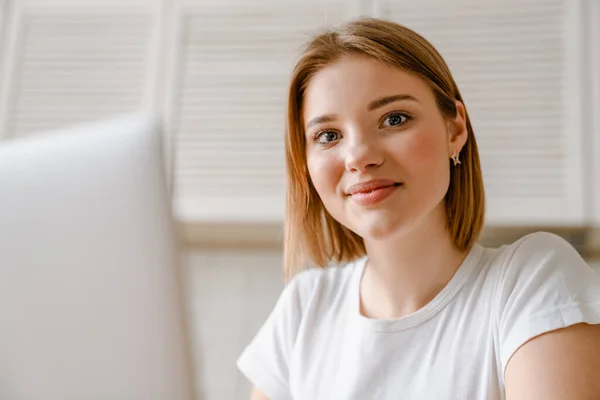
pixel 265 361
pixel 544 285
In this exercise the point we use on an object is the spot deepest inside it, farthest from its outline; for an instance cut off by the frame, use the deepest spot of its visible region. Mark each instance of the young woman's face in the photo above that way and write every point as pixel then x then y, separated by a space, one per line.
pixel 378 148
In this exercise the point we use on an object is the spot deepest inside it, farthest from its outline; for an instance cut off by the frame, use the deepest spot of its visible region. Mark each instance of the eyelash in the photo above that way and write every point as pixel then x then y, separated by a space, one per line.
pixel 321 133
pixel 407 118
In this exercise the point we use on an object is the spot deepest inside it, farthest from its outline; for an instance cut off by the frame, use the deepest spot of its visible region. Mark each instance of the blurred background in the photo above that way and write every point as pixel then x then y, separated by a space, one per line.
pixel 216 73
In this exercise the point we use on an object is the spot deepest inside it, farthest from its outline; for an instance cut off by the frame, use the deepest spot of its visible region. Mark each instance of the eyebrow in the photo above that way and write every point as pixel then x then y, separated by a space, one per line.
pixel 384 101
pixel 320 120
pixel 374 105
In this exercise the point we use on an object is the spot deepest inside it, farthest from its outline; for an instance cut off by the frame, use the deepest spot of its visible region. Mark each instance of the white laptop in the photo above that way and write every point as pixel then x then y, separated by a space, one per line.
pixel 90 306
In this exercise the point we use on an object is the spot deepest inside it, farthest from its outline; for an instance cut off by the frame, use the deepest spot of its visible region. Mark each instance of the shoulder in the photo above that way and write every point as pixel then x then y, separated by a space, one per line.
pixel 537 254
pixel 266 360
pixel 321 282
pixel 541 246
pixel 544 267
pixel 544 256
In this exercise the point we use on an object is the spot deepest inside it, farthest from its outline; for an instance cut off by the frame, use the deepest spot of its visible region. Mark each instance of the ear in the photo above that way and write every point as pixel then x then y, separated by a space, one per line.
pixel 457 129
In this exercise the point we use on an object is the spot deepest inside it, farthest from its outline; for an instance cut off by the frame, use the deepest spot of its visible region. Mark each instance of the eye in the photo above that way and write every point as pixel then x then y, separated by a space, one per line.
pixel 326 137
pixel 395 119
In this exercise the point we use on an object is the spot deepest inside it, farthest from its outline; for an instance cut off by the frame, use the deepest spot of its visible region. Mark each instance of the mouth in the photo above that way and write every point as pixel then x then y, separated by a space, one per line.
pixel 372 192
pixel 375 189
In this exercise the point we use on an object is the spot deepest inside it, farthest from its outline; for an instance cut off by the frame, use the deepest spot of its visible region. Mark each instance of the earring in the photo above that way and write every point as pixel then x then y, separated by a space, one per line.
pixel 455 158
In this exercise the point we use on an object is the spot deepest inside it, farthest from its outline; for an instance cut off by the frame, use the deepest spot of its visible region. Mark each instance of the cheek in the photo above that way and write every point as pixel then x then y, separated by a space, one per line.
pixel 426 151
pixel 426 161
pixel 323 170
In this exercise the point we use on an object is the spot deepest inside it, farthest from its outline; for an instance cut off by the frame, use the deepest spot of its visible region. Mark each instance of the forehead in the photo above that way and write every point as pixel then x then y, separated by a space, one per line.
pixel 354 81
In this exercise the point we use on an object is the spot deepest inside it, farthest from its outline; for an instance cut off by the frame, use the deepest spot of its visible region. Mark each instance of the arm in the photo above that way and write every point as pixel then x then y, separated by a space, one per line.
pixel 560 365
pixel 257 395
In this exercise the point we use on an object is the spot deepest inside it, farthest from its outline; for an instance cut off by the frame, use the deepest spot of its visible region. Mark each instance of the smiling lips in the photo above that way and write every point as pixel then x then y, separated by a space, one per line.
pixel 372 192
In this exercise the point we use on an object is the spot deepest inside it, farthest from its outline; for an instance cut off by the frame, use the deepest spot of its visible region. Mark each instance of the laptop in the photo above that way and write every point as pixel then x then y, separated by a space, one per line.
pixel 90 299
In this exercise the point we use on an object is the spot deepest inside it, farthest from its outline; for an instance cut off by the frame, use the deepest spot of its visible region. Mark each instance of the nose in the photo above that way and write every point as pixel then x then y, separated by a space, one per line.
pixel 362 155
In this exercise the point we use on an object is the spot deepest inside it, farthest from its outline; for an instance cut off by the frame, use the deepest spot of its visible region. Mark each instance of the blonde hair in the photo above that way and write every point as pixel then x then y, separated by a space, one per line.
pixel 312 236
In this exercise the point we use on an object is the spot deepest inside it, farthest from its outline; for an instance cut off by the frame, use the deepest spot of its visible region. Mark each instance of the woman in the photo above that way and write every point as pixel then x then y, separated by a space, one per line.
pixel 384 177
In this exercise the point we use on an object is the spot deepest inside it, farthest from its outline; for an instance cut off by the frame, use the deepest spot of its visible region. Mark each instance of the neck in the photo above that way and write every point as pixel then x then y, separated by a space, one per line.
pixel 406 272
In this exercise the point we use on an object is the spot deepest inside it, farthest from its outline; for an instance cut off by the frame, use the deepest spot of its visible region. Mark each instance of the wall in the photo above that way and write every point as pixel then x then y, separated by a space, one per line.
pixel 231 292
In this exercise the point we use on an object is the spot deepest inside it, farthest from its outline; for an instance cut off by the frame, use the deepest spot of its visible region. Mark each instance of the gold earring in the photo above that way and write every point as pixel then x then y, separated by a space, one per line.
pixel 455 158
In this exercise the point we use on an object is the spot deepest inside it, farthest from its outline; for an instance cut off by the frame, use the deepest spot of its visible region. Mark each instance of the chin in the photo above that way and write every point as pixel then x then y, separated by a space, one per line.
pixel 380 229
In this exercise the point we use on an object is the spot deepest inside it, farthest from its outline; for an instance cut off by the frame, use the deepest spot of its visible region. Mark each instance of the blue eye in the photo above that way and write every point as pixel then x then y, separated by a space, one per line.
pixel 395 119
pixel 326 137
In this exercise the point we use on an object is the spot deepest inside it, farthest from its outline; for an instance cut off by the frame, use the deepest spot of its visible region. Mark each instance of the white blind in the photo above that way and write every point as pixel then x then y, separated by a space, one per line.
pixel 3 42
pixel 229 114
pixel 71 63
pixel 593 77
pixel 516 63
pixel 3 9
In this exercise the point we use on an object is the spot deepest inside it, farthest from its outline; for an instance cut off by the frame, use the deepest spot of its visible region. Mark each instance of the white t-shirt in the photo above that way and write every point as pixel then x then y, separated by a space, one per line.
pixel 316 345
